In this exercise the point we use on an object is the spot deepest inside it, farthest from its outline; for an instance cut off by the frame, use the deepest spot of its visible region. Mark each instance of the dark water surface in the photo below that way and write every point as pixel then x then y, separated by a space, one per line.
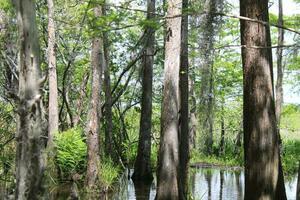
pixel 205 184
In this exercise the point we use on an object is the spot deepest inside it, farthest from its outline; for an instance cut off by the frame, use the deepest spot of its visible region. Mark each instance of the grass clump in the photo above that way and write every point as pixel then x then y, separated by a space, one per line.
pixel 108 173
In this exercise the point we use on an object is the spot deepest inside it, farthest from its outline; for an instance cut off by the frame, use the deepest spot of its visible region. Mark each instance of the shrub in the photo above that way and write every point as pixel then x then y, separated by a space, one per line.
pixel 71 151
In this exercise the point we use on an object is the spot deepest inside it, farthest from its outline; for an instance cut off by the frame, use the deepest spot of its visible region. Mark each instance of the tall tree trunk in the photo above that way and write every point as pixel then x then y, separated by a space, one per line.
pixel 280 190
pixel 279 89
pixel 53 102
pixel 261 143
pixel 32 130
pixel 168 161
pixel 193 117
pixel 108 104
pixel 93 123
pixel 207 53
pixel 184 107
pixel 108 100
pixel 142 166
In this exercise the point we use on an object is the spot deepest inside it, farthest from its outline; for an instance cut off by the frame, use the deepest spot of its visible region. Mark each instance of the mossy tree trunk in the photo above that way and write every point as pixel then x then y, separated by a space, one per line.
pixel 168 160
pixel 31 125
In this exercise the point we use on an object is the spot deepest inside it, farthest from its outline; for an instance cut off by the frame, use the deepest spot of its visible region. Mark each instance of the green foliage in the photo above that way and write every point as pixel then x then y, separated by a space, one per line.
pixel 290 122
pixel 291 156
pixel 229 158
pixel 5 5
pixel 108 173
pixel 71 151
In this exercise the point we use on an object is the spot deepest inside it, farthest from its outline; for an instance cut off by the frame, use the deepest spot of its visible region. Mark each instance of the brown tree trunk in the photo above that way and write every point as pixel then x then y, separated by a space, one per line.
pixel 31 130
pixel 108 104
pixel 260 131
pixel 168 161
pixel 53 94
pixel 142 166
pixel 93 123
pixel 108 100
pixel 184 108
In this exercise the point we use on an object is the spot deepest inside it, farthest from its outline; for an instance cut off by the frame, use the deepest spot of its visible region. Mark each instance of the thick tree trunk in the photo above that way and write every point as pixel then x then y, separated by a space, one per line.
pixel 168 161
pixel 32 128
pixel 53 94
pixel 261 143
pixel 142 166
pixel 93 123
pixel 184 108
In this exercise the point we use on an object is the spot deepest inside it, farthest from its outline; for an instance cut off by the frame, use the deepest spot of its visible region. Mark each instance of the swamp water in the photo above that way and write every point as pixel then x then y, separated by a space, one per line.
pixel 205 184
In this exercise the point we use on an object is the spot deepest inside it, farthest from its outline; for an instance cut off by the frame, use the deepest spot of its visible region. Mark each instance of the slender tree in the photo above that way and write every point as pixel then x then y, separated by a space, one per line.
pixel 108 99
pixel 184 106
pixel 209 24
pixel 280 189
pixel 93 126
pixel 32 129
pixel 261 142
pixel 168 160
pixel 53 101
pixel 279 89
pixel 142 166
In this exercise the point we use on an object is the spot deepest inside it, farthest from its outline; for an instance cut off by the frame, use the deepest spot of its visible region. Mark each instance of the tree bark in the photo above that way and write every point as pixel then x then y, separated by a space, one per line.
pixel 222 141
pixel 184 107
pixel 168 161
pixel 207 53
pixel 279 89
pixel 32 128
pixel 80 101
pixel 261 143
pixel 108 100
pixel 53 94
pixel 93 123
pixel 193 117
pixel 280 189
pixel 142 166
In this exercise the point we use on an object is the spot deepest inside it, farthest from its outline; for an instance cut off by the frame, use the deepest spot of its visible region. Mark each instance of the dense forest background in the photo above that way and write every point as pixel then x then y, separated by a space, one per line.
pixel 92 99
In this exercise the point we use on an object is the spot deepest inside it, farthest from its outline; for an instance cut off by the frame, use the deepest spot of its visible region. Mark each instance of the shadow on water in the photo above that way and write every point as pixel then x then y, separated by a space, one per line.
pixel 207 177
